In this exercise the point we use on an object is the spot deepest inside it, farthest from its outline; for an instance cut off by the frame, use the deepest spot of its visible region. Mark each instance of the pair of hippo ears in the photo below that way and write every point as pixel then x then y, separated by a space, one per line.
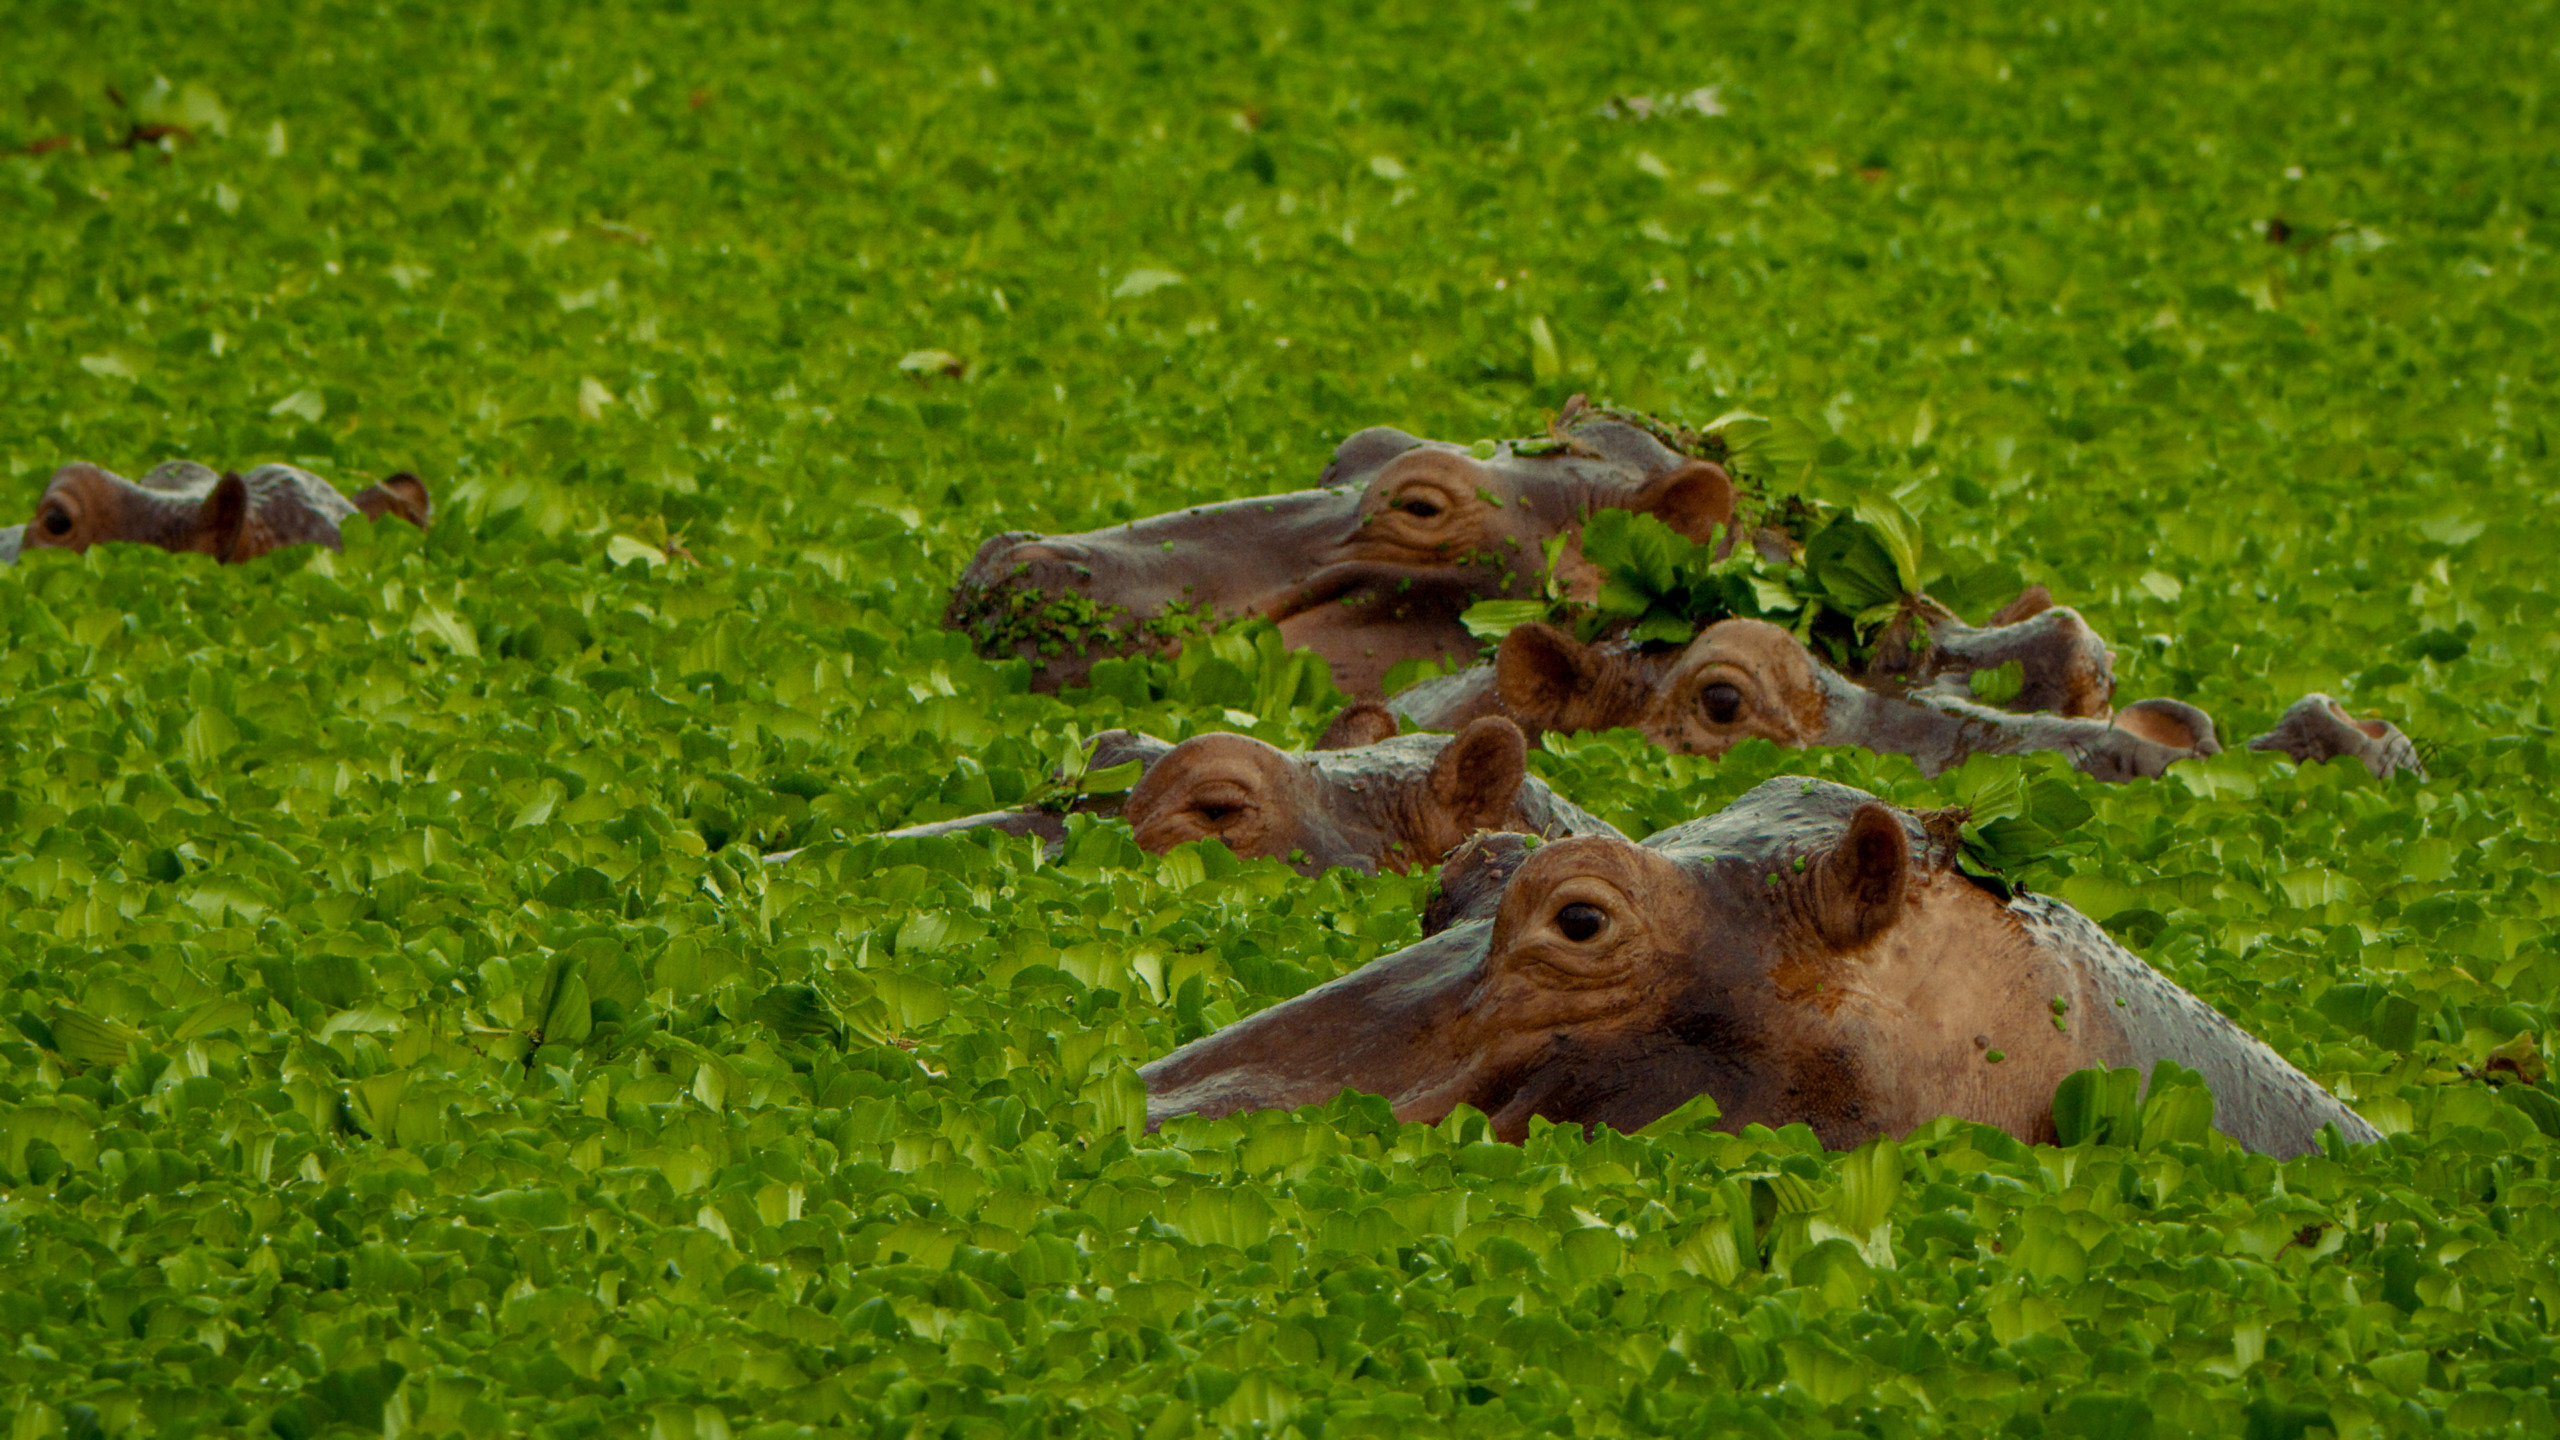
pixel 1592 434
pixel 225 513
pixel 1853 892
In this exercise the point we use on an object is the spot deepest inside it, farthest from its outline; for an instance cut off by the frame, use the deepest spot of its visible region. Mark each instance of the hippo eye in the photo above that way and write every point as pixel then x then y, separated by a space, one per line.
pixel 1722 702
pixel 1420 507
pixel 1580 922
pixel 57 522
pixel 1216 812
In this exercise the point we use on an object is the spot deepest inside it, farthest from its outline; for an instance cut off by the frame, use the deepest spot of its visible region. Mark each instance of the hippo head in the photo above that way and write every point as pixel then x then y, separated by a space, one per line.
pixel 1397 802
pixel 1765 956
pixel 1809 955
pixel 1739 679
pixel 87 505
pixel 187 507
pixel 1746 679
pixel 1372 567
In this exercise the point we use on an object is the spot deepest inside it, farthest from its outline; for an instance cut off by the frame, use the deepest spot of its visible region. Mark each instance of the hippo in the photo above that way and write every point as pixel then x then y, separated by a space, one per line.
pixel 184 506
pixel 1807 955
pixel 1365 799
pixel 2316 728
pixel 1744 678
pixel 1372 567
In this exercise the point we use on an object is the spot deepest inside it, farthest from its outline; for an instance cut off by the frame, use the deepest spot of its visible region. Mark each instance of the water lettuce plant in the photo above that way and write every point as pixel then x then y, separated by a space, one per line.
pixel 400 1032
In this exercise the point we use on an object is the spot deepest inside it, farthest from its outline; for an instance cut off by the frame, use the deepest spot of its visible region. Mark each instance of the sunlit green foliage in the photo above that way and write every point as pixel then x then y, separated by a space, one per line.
pixel 404 1035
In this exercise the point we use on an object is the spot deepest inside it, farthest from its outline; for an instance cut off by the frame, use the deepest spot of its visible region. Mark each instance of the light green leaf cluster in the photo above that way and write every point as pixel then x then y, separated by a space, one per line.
pixel 401 1032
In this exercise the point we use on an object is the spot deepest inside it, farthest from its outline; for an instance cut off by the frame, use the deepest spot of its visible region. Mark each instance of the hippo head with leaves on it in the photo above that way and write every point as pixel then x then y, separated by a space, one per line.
pixel 1808 955
pixel 1748 679
pixel 1372 567
pixel 189 508
pixel 1365 798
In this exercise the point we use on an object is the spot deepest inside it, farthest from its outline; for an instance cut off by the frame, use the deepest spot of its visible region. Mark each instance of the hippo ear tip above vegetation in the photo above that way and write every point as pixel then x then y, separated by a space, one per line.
pixel 1363 722
pixel 1860 887
pixel 1479 774
pixel 223 518
pixel 402 494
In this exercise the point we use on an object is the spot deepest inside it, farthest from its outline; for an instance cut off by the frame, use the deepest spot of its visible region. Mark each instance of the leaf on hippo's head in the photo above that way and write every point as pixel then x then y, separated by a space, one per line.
pixel 1998 685
pixel 1490 620
pixel 1852 566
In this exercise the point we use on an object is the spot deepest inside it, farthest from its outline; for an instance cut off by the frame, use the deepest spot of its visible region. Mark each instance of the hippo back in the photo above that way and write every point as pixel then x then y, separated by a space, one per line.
pixel 2260 1099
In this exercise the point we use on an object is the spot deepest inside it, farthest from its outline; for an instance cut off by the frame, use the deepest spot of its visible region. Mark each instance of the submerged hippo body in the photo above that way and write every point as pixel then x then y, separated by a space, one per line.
pixel 1376 801
pixel 187 507
pixel 1372 567
pixel 1807 955
pixel 1741 679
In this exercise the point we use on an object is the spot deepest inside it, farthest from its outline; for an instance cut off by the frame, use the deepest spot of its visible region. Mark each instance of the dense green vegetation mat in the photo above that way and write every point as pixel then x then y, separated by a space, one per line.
pixel 402 1034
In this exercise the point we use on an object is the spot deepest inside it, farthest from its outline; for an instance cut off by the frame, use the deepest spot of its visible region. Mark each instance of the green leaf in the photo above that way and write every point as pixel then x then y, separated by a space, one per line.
pixel 1898 533
pixel 1999 684
pixel 1490 620
pixel 2098 1107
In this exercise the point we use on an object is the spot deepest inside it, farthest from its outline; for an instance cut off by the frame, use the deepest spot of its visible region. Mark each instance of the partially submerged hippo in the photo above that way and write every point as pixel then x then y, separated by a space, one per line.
pixel 1809 954
pixel 1741 679
pixel 1366 799
pixel 1371 568
pixel 187 507
pixel 2317 728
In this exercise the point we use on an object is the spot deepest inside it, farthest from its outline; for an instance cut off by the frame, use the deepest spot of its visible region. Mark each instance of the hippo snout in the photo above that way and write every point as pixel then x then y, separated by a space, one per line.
pixel 995 559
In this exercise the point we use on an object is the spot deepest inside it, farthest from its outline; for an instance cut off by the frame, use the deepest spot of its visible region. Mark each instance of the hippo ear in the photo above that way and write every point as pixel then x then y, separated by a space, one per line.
pixel 1365 451
pixel 222 518
pixel 2173 723
pixel 404 495
pixel 1364 722
pixel 1540 671
pixel 1858 891
pixel 1478 776
pixel 2031 602
pixel 1693 498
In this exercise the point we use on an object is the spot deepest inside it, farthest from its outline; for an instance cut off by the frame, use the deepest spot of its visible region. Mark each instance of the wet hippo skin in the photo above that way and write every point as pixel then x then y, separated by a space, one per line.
pixel 187 507
pixel 1372 567
pixel 1809 955
pixel 1744 679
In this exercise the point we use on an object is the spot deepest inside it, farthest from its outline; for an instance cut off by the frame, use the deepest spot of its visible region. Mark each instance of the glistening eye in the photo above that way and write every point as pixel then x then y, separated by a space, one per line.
pixel 1580 922
pixel 57 522
pixel 1722 702
pixel 1420 507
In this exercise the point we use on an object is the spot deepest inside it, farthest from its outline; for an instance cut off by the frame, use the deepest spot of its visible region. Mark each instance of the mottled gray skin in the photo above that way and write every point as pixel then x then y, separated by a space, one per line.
pixel 188 507
pixel 11 539
pixel 1393 804
pixel 2317 729
pixel 1806 955
pixel 1772 688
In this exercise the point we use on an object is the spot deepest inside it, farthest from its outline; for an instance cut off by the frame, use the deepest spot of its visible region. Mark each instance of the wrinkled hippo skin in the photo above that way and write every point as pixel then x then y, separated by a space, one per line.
pixel 187 507
pixel 1741 679
pixel 1807 955
pixel 2065 668
pixel 2317 729
pixel 1371 568
pixel 1376 801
